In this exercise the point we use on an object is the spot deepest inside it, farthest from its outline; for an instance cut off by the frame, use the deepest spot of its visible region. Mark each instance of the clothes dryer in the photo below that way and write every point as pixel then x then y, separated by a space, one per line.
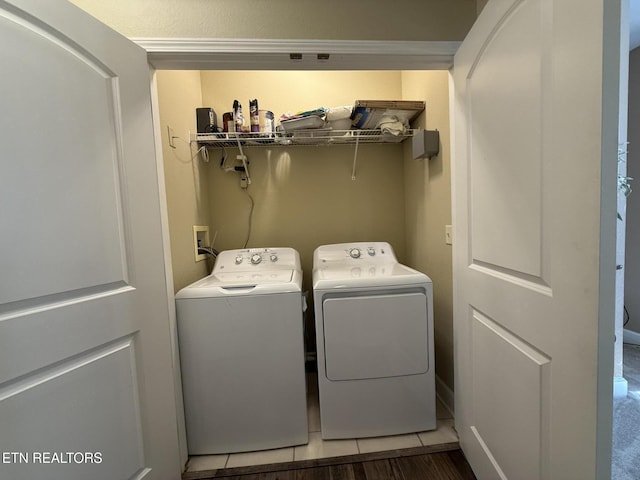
pixel 240 333
pixel 374 332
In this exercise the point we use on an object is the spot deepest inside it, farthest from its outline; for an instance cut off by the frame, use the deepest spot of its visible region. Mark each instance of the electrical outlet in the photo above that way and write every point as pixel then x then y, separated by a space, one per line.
pixel 448 235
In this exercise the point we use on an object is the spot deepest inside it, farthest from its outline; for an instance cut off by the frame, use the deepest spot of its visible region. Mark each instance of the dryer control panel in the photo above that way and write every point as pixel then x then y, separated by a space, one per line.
pixel 252 259
pixel 357 252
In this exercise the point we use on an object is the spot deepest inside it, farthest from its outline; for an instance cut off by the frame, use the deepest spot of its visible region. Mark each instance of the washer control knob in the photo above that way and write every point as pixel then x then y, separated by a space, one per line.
pixel 371 251
pixel 354 253
pixel 256 258
pixel 273 257
pixel 238 259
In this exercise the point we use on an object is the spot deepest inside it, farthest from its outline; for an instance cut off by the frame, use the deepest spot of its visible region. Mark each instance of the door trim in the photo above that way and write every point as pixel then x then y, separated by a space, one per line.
pixel 265 54
pixel 166 248
pixel 614 49
pixel 258 54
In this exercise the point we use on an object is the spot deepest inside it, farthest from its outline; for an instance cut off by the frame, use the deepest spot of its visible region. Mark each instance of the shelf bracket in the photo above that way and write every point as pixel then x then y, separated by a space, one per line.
pixel 355 158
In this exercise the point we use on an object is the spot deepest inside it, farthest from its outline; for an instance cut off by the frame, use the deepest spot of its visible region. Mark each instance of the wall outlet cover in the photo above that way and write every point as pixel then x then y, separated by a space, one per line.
pixel 200 239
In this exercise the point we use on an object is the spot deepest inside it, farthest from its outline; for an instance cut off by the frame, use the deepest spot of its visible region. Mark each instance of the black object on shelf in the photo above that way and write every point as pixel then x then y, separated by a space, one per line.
pixel 206 120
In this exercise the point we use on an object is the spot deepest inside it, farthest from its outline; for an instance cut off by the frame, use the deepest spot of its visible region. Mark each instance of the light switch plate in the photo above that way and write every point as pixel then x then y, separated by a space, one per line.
pixel 448 235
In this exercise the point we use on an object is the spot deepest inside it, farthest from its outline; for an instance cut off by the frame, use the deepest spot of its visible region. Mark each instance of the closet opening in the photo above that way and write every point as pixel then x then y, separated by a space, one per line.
pixel 304 195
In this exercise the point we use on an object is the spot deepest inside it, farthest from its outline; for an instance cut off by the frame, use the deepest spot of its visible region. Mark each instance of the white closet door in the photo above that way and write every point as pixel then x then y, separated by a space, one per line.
pixel 85 352
pixel 534 173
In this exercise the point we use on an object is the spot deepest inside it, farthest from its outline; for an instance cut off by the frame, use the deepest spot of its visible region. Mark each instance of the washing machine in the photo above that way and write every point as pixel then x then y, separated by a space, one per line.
pixel 240 334
pixel 374 333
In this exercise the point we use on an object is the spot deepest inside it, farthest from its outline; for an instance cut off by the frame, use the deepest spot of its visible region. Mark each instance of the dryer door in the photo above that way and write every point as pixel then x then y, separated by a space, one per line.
pixel 376 336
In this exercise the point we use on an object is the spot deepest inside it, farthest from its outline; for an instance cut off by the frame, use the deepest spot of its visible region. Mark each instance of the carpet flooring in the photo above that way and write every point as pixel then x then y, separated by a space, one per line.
pixel 626 421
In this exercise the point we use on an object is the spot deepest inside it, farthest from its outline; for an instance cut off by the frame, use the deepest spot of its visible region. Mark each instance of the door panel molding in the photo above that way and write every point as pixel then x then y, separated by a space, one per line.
pixel 517 342
pixel 92 403
pixel 81 158
pixel 497 471
pixel 507 399
pixel 34 25
pixel 530 282
pixel 506 145
pixel 34 306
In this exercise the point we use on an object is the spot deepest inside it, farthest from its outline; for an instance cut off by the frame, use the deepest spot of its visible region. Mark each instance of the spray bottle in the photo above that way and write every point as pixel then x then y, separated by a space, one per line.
pixel 238 117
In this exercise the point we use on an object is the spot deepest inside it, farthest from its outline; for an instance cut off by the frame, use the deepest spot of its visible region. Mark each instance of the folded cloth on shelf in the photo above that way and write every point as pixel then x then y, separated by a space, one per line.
pixel 338 113
pixel 318 112
pixel 391 124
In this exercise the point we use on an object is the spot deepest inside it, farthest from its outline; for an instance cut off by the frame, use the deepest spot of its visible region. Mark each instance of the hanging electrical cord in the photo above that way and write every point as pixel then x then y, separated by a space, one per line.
pixel 202 151
pixel 209 251
pixel 224 164
pixel 211 254
pixel 250 217
pixel 245 181
pixel 223 159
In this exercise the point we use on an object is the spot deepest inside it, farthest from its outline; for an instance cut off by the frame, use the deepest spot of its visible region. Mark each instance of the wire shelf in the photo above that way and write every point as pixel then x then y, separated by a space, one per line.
pixel 310 137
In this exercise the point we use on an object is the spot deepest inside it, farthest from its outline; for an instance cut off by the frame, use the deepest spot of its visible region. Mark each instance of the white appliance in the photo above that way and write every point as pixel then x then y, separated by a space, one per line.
pixel 374 332
pixel 240 333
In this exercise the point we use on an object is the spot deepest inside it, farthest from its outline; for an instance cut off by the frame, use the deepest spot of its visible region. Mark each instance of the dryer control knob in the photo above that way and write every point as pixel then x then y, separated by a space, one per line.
pixel 238 259
pixel 371 251
pixel 256 258
pixel 354 253
pixel 273 257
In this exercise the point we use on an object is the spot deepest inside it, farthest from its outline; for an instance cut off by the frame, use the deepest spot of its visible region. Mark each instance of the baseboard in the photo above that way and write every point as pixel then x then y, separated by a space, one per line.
pixel 445 394
pixel 631 337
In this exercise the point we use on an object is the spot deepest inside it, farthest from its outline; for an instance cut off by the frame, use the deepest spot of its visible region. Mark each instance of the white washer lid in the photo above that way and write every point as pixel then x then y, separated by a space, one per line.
pixel 224 284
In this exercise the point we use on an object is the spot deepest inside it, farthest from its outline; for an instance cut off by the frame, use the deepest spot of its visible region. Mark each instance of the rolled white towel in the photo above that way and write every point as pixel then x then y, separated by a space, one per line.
pixel 391 124
pixel 338 113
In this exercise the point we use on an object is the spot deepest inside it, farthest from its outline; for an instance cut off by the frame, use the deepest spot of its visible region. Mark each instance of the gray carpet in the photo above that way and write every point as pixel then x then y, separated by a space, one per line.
pixel 626 421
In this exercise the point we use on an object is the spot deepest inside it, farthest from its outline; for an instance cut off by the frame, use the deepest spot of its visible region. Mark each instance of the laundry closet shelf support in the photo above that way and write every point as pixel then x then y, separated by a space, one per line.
pixel 310 137
pixel 303 137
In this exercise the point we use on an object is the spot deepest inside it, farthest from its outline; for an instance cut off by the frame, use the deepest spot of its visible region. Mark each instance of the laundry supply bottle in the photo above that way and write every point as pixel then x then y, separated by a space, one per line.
pixel 238 117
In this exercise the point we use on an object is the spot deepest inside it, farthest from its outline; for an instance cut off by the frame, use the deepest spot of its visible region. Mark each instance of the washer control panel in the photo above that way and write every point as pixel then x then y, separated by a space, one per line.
pixel 258 258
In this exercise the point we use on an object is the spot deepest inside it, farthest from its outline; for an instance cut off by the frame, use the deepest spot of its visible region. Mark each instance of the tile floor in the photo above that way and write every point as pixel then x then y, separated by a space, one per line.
pixel 318 448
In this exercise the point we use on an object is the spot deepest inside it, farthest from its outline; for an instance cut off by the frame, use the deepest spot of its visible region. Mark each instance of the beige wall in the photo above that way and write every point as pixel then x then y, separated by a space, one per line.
pixel 304 196
pixel 186 180
pixel 428 209
pixel 446 20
